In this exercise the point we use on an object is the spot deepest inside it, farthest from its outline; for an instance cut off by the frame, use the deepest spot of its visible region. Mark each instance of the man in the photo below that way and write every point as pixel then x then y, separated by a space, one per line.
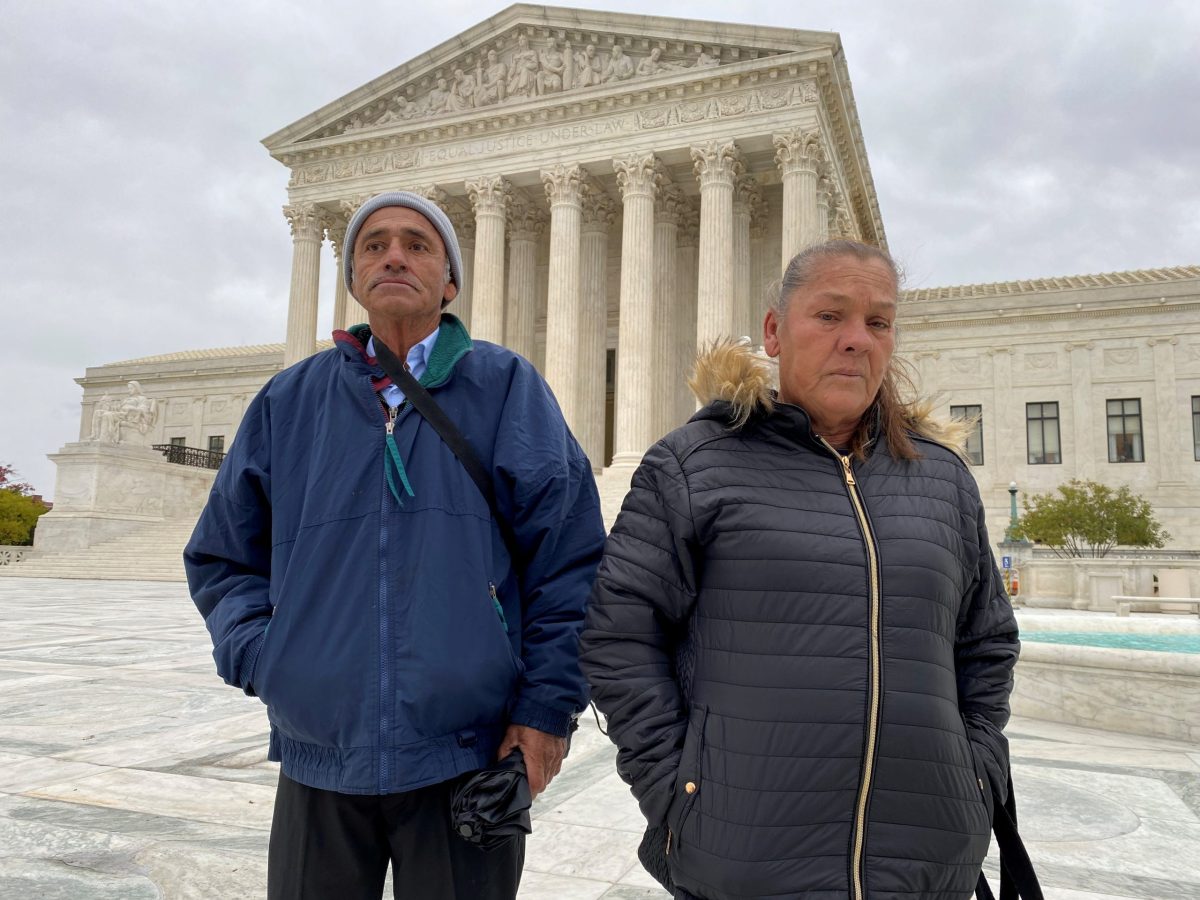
pixel 352 576
pixel 798 631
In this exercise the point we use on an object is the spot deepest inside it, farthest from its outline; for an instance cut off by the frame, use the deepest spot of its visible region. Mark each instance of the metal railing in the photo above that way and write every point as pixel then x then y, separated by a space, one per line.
pixel 190 456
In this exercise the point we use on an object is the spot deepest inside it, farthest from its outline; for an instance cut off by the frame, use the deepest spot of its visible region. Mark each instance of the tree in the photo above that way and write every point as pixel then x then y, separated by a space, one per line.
pixel 18 515
pixel 18 511
pixel 8 472
pixel 1084 518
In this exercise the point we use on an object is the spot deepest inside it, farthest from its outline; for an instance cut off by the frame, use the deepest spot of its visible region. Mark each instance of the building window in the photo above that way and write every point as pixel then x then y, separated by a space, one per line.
pixel 1125 431
pixel 216 443
pixel 178 442
pixel 1196 427
pixel 1041 430
pixel 973 415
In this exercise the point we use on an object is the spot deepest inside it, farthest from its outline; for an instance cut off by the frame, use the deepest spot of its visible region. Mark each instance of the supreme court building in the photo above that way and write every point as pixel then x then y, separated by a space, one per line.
pixel 625 188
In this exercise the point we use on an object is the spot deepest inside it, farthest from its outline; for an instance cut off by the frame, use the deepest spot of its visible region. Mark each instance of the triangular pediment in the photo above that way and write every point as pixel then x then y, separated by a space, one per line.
pixel 538 54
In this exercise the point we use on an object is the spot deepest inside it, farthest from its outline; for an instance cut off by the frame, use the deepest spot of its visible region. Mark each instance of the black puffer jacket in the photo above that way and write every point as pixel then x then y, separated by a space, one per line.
pixel 805 663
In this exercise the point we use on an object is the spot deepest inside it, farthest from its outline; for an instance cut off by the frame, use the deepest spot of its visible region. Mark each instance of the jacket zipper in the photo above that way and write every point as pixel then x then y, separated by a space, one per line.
pixel 390 413
pixel 873 700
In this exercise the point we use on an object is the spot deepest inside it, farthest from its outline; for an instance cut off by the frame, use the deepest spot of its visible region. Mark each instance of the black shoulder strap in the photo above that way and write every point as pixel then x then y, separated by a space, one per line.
pixel 424 403
pixel 1018 880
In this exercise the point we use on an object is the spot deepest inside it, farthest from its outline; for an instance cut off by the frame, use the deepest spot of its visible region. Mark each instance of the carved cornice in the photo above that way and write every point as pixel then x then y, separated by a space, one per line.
pixel 923 323
pixel 306 220
pixel 563 184
pixel 400 154
pixel 1065 283
pixel 717 163
pixel 636 174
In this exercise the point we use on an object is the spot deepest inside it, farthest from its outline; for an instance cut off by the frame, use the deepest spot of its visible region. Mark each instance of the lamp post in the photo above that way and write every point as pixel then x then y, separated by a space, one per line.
pixel 1012 510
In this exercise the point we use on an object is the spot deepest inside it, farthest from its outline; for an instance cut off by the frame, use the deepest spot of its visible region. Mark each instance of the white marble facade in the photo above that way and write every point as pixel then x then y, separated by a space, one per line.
pixel 627 187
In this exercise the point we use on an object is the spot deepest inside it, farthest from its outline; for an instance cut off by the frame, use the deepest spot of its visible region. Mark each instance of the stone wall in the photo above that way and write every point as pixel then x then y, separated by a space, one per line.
pixel 103 491
pixel 1091 583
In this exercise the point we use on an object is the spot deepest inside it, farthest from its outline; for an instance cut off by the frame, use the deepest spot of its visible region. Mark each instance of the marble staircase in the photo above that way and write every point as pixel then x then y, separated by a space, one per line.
pixel 154 552
pixel 150 553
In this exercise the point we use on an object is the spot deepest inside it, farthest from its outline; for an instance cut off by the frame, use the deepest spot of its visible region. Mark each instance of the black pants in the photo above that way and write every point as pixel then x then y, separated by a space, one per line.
pixel 330 846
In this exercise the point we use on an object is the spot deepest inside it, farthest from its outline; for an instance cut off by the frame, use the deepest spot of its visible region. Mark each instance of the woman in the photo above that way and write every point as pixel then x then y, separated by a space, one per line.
pixel 798 633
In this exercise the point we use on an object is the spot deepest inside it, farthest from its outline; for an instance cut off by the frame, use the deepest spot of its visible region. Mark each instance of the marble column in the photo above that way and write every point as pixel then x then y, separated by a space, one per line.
pixel 798 155
pixel 563 185
pixel 525 225
pixel 347 311
pixel 590 400
pixel 824 187
pixel 335 231
pixel 683 355
pixel 634 431
pixel 1011 454
pixel 489 198
pixel 1083 457
pixel 759 269
pixel 746 193
pixel 1169 452
pixel 307 222
pixel 463 221
pixel 717 167
pixel 667 373
pixel 196 432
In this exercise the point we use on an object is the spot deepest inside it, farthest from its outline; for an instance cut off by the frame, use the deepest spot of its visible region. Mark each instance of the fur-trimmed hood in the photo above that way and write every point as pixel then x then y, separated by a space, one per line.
pixel 732 372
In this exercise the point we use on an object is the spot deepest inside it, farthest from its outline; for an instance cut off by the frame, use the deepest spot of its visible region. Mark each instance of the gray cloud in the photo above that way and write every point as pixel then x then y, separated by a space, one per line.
pixel 1007 141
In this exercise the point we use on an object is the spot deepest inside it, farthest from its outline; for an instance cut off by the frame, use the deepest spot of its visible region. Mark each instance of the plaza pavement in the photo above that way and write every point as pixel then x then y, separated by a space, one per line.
pixel 129 772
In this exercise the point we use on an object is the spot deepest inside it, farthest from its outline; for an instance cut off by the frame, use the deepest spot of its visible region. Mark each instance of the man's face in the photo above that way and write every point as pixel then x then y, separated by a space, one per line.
pixel 400 266
pixel 835 341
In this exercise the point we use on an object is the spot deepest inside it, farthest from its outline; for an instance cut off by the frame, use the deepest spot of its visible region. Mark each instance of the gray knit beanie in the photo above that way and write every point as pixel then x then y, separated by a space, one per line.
pixel 417 203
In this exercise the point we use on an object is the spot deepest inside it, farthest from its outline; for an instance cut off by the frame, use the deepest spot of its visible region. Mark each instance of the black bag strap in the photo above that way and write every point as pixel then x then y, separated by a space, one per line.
pixel 1018 880
pixel 424 403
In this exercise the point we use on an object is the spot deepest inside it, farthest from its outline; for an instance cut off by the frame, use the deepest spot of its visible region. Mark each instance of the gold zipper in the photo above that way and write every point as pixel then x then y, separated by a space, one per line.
pixel 868 770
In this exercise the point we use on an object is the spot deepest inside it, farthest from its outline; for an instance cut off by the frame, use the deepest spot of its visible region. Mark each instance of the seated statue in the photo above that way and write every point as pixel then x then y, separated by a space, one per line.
pixel 137 411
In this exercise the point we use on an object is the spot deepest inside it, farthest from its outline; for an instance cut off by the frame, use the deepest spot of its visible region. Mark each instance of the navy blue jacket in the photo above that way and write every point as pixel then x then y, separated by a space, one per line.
pixel 391 636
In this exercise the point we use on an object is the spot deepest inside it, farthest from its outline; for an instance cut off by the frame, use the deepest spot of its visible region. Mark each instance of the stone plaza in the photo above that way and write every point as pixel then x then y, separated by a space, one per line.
pixel 128 771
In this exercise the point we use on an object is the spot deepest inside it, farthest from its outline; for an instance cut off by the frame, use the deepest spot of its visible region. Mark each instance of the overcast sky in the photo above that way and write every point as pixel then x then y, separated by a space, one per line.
pixel 1007 140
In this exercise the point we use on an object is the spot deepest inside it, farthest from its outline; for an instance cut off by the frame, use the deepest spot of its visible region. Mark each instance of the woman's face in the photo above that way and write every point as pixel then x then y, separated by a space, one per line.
pixel 835 341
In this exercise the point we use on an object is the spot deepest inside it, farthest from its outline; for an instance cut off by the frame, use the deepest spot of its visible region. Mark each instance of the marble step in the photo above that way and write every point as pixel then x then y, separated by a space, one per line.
pixel 154 552
pixel 150 553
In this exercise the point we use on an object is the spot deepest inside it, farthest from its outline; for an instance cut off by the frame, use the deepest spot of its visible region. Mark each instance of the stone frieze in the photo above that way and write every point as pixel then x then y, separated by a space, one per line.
pixel 683 112
pixel 516 69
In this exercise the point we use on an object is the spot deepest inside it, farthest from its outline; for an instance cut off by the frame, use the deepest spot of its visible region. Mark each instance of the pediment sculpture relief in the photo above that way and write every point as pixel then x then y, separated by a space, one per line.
pixel 497 76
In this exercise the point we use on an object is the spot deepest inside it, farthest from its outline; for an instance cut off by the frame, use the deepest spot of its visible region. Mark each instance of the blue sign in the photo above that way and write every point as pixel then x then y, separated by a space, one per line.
pixel 1006 562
